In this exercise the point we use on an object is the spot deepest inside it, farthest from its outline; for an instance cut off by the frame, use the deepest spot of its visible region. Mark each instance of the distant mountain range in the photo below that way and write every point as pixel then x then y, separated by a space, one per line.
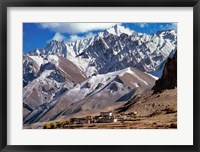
pixel 88 75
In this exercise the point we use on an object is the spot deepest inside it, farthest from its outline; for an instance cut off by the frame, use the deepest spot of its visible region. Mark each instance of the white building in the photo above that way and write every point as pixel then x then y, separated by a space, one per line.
pixel 107 120
pixel 106 114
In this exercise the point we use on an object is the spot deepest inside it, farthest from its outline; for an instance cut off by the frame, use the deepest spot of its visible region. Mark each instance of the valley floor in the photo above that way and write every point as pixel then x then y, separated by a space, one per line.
pixel 162 121
pixel 158 111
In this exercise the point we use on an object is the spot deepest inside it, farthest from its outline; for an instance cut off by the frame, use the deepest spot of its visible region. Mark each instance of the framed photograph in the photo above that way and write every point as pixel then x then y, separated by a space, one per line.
pixel 99 75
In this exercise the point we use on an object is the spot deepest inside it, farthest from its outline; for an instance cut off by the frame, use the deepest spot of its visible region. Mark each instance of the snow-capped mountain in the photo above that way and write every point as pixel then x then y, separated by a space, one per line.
pixel 115 49
pixel 46 78
pixel 97 92
pixel 66 78
pixel 118 30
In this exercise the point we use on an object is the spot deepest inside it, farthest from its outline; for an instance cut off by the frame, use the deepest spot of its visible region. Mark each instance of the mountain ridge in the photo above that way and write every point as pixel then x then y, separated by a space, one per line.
pixel 108 52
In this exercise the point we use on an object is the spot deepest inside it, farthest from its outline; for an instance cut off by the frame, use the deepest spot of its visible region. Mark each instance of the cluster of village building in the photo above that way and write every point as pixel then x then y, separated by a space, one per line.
pixel 104 117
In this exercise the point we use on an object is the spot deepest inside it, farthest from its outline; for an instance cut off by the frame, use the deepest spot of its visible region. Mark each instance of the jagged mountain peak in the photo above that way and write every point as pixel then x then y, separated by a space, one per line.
pixel 118 30
pixel 111 50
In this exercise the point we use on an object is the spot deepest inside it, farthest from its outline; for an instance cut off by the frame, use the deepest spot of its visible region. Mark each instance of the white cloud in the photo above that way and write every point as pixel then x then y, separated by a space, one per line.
pixel 57 37
pixel 76 37
pixel 143 25
pixel 75 28
pixel 169 26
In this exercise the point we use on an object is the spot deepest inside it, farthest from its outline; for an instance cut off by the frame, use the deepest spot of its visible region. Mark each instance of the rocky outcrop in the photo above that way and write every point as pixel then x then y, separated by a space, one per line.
pixel 168 79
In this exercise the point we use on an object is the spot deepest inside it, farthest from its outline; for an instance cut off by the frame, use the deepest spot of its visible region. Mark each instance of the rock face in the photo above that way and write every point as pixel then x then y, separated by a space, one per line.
pixel 168 79
pixel 30 70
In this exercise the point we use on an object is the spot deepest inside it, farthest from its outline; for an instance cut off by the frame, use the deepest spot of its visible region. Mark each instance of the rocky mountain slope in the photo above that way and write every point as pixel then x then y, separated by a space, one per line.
pixel 97 92
pixel 48 80
pixel 168 79
pixel 161 101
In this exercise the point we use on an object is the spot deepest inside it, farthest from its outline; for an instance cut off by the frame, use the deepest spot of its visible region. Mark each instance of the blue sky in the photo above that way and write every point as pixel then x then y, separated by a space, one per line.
pixel 37 35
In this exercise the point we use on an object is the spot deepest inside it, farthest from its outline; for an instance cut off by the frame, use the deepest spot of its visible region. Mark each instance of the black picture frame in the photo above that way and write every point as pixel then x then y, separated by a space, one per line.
pixel 4 4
